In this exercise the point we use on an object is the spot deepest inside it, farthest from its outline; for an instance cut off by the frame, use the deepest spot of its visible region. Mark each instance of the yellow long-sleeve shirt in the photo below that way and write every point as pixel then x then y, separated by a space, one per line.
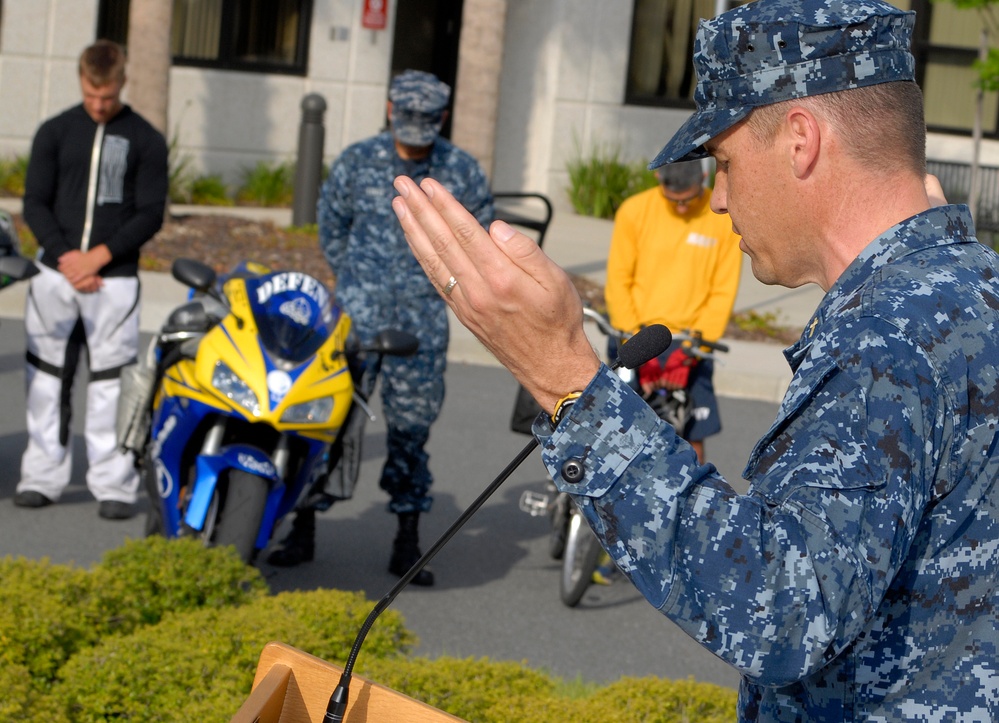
pixel 665 268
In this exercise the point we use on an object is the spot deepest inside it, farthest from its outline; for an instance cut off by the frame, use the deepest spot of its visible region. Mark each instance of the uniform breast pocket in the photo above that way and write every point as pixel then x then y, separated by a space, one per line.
pixel 821 439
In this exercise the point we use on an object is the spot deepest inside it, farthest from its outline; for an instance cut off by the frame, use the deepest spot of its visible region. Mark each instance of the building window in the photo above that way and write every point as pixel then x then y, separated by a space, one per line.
pixel 269 36
pixel 662 42
pixel 945 45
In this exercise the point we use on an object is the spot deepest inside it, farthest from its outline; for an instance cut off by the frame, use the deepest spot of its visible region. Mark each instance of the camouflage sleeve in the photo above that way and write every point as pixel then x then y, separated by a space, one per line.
pixel 779 581
pixel 334 214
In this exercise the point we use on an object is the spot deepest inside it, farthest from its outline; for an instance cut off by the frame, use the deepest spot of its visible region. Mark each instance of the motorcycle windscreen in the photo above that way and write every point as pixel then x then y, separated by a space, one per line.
pixel 294 312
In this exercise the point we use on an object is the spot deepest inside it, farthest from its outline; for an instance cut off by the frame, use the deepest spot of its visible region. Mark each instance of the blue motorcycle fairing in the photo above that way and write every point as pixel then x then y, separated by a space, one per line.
pixel 209 467
pixel 295 313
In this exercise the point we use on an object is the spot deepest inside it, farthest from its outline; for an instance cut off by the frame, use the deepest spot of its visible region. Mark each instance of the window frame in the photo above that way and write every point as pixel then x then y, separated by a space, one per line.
pixel 924 52
pixel 107 24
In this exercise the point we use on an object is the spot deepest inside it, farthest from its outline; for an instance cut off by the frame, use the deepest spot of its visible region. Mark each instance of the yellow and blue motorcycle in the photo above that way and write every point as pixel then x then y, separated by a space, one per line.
pixel 239 410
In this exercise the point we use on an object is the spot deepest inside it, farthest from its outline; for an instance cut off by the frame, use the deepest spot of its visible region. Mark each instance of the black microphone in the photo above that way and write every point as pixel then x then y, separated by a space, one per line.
pixel 644 346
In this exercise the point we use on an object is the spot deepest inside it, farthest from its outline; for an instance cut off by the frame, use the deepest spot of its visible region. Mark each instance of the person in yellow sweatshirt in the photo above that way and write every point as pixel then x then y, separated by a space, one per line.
pixel 673 261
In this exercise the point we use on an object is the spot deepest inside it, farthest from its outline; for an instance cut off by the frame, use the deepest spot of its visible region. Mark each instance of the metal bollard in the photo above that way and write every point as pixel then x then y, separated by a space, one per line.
pixel 309 165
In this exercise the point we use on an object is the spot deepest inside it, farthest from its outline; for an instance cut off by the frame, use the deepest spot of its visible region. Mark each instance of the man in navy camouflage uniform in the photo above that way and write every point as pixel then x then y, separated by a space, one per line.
pixel 380 285
pixel 859 577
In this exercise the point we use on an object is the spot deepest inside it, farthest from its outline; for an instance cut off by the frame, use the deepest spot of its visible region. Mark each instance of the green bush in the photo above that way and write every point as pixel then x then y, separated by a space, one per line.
pixel 12 174
pixel 46 614
pixel 210 190
pixel 474 690
pixel 171 631
pixel 493 692
pixel 200 665
pixel 656 700
pixel 144 579
pixel 267 184
pixel 599 182
pixel 179 171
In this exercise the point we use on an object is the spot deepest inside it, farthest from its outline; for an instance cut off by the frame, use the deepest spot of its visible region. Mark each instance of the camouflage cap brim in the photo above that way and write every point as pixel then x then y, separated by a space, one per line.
pixel 415 128
pixel 688 142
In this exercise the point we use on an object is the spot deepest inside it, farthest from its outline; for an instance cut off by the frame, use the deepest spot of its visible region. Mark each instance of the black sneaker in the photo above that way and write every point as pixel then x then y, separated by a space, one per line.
pixel 31 498
pixel 115 510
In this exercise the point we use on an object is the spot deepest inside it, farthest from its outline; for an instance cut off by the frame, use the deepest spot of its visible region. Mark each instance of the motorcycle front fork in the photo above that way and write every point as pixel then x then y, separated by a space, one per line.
pixel 213 443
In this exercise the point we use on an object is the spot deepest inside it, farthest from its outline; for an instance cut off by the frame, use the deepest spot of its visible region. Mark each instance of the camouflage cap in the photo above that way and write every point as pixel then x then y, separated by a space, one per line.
pixel 418 103
pixel 774 50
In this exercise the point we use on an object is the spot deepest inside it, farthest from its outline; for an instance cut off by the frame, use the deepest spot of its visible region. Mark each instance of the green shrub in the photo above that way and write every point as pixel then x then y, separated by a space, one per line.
pixel 48 612
pixel 210 190
pixel 657 700
pixel 22 700
pixel 493 692
pixel 599 182
pixel 474 690
pixel 200 665
pixel 12 174
pixel 171 631
pixel 144 579
pixel 45 615
pixel 179 172
pixel 267 184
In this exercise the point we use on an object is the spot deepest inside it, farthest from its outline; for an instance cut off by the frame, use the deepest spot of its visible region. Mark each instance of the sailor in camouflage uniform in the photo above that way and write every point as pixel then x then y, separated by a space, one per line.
pixel 859 577
pixel 381 286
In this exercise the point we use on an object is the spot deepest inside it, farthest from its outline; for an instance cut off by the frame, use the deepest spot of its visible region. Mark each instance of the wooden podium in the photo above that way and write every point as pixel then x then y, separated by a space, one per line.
pixel 294 687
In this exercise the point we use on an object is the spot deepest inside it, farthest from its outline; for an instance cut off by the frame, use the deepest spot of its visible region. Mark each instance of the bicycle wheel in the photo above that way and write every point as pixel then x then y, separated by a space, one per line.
pixel 582 550
pixel 560 526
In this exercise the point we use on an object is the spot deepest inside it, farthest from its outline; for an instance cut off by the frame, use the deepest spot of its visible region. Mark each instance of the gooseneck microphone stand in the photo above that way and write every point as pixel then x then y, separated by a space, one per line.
pixel 337 707
pixel 650 342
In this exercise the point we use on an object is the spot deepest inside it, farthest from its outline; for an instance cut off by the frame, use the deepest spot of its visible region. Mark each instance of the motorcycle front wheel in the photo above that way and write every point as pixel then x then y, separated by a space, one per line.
pixel 582 551
pixel 235 513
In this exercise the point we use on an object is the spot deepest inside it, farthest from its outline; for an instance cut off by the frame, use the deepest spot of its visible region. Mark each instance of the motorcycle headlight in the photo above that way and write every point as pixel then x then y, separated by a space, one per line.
pixel 226 381
pixel 315 411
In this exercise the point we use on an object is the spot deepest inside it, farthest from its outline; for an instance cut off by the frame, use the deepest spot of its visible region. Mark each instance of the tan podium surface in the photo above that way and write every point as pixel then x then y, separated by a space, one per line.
pixel 292 686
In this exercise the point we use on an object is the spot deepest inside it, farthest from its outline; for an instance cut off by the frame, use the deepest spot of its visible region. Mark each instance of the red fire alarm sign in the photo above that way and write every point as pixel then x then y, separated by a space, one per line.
pixel 374 15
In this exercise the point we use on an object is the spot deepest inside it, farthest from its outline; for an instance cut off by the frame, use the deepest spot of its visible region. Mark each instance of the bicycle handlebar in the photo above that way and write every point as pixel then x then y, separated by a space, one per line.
pixel 697 344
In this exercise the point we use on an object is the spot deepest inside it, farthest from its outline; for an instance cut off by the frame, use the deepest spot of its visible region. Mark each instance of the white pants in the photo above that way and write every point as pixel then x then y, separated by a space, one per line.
pixel 110 319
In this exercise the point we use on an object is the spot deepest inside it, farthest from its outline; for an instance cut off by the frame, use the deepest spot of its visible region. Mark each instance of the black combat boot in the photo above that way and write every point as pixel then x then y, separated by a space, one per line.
pixel 406 550
pixel 300 544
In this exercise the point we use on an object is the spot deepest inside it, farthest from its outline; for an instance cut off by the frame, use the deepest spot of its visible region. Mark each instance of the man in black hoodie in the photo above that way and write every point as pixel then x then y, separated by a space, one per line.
pixel 95 192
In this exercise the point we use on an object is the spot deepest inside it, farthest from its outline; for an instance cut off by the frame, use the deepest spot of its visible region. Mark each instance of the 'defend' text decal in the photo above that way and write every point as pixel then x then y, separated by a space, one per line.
pixel 293 281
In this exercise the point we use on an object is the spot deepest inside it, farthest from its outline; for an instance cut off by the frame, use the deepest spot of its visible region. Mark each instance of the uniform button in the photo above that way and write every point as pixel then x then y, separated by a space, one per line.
pixel 573 471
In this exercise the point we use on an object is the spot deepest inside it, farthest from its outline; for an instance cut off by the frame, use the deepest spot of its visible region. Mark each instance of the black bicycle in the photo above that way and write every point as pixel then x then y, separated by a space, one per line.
pixel 570 538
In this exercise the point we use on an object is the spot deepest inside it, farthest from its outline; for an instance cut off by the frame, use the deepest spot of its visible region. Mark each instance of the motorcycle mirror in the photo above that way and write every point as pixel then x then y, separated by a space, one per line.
pixel 17 267
pixel 395 342
pixel 195 274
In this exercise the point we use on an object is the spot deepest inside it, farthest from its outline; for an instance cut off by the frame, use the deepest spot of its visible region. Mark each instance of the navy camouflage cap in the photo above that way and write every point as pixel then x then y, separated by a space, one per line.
pixel 773 50
pixel 418 103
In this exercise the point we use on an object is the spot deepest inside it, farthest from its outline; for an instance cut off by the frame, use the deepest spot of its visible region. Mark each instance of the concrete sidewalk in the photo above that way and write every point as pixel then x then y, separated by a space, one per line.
pixel 577 243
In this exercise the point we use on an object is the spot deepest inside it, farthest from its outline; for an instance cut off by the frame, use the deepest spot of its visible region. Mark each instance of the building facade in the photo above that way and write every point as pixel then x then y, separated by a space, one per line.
pixel 537 82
